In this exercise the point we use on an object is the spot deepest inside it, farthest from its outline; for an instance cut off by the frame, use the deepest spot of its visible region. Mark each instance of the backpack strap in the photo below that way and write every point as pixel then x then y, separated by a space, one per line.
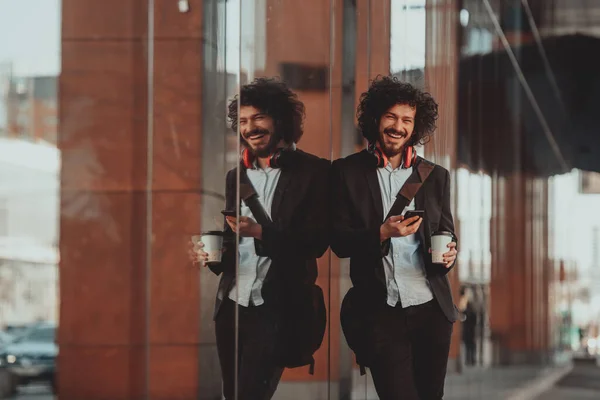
pixel 249 196
pixel 408 191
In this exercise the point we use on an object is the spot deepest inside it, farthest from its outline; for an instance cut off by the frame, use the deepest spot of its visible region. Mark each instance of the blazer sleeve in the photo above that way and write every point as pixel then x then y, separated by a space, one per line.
pixel 228 235
pixel 446 220
pixel 348 239
pixel 308 236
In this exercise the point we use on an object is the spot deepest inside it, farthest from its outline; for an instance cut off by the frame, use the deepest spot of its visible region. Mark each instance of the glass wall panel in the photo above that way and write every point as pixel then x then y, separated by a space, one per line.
pixel 286 56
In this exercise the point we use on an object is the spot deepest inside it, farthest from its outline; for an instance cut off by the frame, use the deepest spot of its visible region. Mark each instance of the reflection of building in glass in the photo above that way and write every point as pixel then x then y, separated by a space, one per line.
pixel 29 185
pixel 30 107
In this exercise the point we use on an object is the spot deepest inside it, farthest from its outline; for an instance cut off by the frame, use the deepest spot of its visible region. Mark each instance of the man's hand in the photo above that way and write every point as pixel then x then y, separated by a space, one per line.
pixel 450 256
pixel 397 226
pixel 246 227
pixel 197 255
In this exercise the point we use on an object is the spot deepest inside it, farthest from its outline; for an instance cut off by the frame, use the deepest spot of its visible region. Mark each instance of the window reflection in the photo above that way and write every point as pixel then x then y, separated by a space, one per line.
pixel 407 36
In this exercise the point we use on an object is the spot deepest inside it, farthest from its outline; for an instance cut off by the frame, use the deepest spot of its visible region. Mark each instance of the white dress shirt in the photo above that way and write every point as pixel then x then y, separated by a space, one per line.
pixel 404 267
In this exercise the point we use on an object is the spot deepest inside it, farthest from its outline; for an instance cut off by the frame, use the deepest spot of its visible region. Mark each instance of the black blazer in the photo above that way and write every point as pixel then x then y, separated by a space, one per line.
pixel 298 235
pixel 358 214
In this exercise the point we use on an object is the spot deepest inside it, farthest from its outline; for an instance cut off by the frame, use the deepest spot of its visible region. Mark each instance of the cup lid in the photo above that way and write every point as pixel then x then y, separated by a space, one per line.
pixel 213 233
pixel 443 233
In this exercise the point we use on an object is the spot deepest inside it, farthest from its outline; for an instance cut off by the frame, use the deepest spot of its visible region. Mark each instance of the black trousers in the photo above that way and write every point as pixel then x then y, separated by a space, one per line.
pixel 258 373
pixel 410 351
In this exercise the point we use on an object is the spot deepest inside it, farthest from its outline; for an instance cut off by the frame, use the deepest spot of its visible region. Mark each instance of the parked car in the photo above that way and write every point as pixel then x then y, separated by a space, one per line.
pixel 5 338
pixel 17 330
pixel 32 356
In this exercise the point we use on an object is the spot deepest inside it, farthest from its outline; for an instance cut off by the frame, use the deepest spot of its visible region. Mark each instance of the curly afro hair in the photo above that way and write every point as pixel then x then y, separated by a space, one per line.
pixel 274 98
pixel 384 93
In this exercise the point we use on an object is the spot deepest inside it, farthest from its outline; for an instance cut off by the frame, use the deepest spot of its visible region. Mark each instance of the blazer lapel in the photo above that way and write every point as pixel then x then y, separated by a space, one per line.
pixel 373 182
pixel 284 180
pixel 424 168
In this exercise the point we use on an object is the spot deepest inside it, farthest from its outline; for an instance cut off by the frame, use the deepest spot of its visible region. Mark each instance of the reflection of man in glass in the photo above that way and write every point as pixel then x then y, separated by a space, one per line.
pixel 277 259
pixel 398 316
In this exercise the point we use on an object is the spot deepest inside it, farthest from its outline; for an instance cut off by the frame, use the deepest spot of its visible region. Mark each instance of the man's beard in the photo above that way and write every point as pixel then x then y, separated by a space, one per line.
pixel 391 150
pixel 266 150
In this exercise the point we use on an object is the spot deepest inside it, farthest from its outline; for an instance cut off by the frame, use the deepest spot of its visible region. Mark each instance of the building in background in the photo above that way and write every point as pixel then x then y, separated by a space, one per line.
pixel 29 198
pixel 31 108
pixel 29 204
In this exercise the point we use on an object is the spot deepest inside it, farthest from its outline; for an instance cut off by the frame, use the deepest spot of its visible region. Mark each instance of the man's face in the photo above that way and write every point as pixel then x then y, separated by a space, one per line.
pixel 258 131
pixel 396 126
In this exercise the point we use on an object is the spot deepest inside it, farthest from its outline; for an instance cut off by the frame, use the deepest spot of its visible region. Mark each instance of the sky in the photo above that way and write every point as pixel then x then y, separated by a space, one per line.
pixel 30 36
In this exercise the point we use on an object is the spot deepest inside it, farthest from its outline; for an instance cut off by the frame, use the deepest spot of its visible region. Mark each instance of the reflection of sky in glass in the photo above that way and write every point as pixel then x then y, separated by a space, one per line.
pixel 232 39
pixel 30 36
pixel 253 40
pixel 407 30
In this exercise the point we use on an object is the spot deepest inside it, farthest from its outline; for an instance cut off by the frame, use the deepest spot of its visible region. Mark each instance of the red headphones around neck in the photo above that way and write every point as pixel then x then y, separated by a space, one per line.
pixel 275 160
pixel 409 156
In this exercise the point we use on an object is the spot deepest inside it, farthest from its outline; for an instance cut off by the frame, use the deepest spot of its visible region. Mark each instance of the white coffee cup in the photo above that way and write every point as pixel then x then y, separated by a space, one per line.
pixel 213 245
pixel 439 246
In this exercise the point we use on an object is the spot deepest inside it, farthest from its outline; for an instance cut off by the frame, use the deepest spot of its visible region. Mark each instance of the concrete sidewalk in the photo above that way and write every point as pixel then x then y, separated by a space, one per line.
pixel 514 383
pixel 581 383
pixel 508 383
pixel 493 383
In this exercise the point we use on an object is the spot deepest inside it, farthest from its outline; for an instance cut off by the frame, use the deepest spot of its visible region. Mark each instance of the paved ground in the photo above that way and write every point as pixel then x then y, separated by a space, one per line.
pixel 582 383
pixel 478 383
pixel 491 383
pixel 34 392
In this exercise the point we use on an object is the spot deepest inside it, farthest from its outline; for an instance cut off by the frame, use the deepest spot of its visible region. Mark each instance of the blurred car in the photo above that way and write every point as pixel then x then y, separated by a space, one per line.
pixel 5 338
pixel 17 330
pixel 32 356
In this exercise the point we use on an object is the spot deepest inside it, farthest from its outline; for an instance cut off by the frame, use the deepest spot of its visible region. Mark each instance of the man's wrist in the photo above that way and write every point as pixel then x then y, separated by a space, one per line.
pixel 382 235
pixel 257 232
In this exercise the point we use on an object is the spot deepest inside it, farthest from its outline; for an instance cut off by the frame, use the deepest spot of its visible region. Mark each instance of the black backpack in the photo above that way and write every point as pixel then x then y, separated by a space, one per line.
pixel 303 326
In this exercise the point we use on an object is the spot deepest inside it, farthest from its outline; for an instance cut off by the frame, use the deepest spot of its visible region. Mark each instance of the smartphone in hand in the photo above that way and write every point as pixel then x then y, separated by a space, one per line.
pixel 229 213
pixel 414 213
